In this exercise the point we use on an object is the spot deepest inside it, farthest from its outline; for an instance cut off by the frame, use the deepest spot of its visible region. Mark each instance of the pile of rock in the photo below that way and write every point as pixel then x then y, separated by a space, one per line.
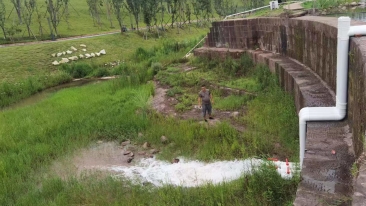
pixel 147 150
pixel 75 57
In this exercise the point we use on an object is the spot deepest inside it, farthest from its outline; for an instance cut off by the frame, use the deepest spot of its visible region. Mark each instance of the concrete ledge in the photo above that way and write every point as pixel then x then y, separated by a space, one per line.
pixel 326 177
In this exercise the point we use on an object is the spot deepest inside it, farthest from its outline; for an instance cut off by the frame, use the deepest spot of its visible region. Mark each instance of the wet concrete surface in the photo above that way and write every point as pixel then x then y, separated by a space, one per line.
pixel 326 176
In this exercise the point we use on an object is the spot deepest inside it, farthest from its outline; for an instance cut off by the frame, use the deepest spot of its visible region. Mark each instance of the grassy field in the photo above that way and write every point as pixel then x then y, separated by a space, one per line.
pixel 34 136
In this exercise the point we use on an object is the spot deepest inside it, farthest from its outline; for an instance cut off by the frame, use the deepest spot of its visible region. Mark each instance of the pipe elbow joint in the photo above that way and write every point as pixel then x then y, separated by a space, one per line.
pixel 304 115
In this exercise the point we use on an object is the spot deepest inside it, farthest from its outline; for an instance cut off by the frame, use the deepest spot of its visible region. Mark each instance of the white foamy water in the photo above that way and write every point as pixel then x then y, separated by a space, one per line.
pixel 192 173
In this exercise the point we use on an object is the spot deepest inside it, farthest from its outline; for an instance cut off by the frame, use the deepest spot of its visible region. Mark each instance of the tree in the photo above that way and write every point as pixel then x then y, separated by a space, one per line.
pixel 224 7
pixel 150 9
pixel 109 8
pixel 2 17
pixel 18 7
pixel 134 7
pixel 54 11
pixel 30 7
pixel 94 10
pixel 118 6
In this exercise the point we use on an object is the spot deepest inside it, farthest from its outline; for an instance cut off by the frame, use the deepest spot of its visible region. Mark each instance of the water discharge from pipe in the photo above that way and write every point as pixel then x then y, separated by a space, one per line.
pixel 189 173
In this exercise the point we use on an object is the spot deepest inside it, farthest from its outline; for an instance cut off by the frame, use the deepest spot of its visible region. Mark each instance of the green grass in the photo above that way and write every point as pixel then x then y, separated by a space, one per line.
pixel 248 84
pixel 232 102
pixel 325 4
pixel 35 60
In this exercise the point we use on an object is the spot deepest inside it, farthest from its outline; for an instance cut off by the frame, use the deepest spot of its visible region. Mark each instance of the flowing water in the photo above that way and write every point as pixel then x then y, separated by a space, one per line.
pixel 189 173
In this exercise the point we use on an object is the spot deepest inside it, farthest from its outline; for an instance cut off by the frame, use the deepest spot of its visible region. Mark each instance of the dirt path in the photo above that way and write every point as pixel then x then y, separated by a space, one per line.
pixel 165 105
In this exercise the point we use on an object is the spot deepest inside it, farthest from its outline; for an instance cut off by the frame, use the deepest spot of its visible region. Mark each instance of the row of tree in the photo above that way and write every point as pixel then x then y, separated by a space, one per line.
pixel 154 13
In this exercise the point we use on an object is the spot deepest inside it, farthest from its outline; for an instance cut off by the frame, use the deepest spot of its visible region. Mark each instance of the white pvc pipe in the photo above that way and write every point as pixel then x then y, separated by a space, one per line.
pixel 339 111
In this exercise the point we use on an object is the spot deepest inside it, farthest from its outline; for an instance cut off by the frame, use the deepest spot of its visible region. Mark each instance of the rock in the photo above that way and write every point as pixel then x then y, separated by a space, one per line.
pixel 163 139
pixel 146 145
pixel 126 143
pixel 140 134
pixel 354 4
pixel 59 54
pixel 132 154
pixel 64 53
pixel 126 152
pixel 129 160
pixel 141 153
pixel 73 58
pixel 344 8
pixel 103 52
pixel 100 142
pixel 97 54
pixel 81 56
pixel 234 114
pixel 87 56
pixel 154 151
pixel 82 45
pixel 68 52
pixel 64 60
pixel 92 54
pixel 53 55
pixel 73 48
pixel 84 50
pixel 55 63
pixel 149 156
pixel 175 160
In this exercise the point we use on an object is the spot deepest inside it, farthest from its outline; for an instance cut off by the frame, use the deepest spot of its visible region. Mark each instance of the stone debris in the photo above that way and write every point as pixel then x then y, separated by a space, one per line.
pixel 125 143
pixel 234 114
pixel 73 48
pixel 84 50
pixel 73 58
pixel 164 139
pixel 92 54
pixel 55 63
pixel 87 56
pixel 129 160
pixel 141 153
pixel 81 56
pixel 146 145
pixel 127 152
pixel 132 154
pixel 59 54
pixel 64 53
pixel 64 60
pixel 140 134
pixel 154 151
pixel 175 160
pixel 103 52
pixel 82 45
pixel 97 54
pixel 68 52
pixel 53 55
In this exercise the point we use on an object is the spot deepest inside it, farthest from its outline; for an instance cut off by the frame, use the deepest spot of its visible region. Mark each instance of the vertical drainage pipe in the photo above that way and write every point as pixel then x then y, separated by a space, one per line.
pixel 339 111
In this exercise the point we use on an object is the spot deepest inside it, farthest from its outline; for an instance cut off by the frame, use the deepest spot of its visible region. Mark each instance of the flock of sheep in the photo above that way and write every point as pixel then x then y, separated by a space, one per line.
pixel 74 58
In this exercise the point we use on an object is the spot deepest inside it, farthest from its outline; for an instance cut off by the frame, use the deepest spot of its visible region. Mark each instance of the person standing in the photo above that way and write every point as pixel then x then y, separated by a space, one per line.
pixel 205 100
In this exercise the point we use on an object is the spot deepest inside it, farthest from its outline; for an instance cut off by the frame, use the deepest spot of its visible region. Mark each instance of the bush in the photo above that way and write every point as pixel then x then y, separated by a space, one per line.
pixel 101 72
pixel 156 67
